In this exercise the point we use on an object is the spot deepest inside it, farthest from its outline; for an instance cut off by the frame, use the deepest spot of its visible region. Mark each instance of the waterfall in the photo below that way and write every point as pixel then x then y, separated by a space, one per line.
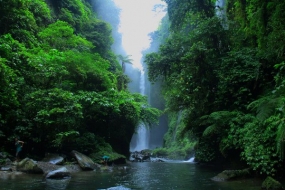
pixel 221 12
pixel 140 140
pixel 177 125
pixel 192 160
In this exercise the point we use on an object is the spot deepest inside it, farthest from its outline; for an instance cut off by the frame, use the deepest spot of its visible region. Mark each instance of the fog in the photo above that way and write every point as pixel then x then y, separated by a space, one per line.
pixel 132 22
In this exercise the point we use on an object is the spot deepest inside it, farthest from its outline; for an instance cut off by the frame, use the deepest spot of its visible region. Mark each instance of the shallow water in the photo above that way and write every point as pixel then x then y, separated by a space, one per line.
pixel 141 175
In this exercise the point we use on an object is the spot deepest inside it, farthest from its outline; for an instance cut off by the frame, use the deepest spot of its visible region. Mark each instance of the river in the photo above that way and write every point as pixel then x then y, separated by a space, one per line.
pixel 141 175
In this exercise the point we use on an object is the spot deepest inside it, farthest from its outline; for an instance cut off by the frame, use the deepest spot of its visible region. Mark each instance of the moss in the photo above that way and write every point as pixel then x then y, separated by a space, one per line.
pixel 271 184
pixel 231 174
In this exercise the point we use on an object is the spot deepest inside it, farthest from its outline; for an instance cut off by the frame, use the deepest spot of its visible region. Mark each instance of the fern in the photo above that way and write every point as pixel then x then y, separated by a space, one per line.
pixel 216 121
pixel 265 107
pixel 212 129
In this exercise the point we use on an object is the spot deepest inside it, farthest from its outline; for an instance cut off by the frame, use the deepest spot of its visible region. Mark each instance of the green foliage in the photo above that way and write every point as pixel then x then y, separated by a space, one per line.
pixel 86 142
pixel 41 12
pixel 64 137
pixel 99 34
pixel 59 79
pixel 265 106
pixel 46 69
pixel 256 140
pixel 174 152
pixel 216 122
pixel 23 19
pixel 60 35
pixel 242 67
pixel 206 68
pixel 89 71
pixel 124 60
pixel 260 152
pixel 8 80
pixel 205 152
pixel 49 112
pixel 180 11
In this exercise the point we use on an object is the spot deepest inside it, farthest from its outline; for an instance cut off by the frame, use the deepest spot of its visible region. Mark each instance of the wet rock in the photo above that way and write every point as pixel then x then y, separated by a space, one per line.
pixel 84 161
pixel 271 184
pixel 231 174
pixel 58 174
pixel 73 168
pixel 47 167
pixel 29 166
pixel 157 160
pixel 53 159
pixel 6 168
pixel 146 158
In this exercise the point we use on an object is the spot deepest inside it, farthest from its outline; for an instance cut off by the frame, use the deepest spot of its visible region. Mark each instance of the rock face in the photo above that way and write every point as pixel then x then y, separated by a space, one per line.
pixel 231 174
pixel 140 157
pixel 271 184
pixel 84 161
pixel 29 166
pixel 58 174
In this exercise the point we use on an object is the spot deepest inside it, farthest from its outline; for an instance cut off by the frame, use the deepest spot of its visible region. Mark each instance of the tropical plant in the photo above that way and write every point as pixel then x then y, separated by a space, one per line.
pixel 124 60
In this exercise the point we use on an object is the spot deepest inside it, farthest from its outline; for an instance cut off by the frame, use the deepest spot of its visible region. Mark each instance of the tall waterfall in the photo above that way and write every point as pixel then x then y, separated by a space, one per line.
pixel 221 12
pixel 140 140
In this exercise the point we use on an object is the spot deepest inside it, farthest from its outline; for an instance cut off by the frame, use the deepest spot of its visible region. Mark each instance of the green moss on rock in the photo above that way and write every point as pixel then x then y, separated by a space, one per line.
pixel 271 184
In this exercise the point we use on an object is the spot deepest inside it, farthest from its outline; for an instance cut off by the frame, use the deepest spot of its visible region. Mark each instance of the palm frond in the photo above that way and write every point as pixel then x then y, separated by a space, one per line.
pixel 125 59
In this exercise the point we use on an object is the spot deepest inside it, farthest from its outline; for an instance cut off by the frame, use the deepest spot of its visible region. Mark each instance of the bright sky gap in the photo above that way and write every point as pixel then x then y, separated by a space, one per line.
pixel 138 18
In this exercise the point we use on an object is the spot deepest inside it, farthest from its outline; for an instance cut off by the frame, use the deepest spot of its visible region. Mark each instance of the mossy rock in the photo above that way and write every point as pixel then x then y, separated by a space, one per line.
pixel 271 184
pixel 231 174
pixel 114 157
pixel 29 166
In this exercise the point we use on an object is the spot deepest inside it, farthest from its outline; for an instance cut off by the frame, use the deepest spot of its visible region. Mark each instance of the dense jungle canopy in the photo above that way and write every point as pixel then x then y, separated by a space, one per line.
pixel 62 86
pixel 221 69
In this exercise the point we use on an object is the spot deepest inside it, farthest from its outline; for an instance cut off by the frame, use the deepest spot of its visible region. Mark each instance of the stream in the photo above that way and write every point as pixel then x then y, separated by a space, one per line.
pixel 174 175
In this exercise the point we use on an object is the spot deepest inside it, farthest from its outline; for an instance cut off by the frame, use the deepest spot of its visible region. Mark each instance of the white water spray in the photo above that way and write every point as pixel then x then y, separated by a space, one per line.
pixel 192 159
pixel 221 12
pixel 138 18
pixel 140 141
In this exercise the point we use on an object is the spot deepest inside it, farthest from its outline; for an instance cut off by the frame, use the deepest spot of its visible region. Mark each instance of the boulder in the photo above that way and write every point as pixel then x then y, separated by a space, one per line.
pixel 73 168
pixel 84 161
pixel 29 166
pixel 271 184
pixel 231 174
pixel 53 159
pixel 6 168
pixel 58 174
pixel 146 158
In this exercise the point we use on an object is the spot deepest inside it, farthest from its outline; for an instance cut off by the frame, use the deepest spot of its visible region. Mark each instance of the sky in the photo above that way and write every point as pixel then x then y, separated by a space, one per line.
pixel 137 20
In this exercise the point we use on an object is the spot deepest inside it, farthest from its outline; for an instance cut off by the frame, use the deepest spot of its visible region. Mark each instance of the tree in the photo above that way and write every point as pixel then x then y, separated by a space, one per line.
pixel 125 59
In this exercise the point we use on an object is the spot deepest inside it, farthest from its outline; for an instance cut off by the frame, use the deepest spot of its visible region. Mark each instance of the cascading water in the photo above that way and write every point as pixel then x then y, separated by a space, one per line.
pixel 221 12
pixel 140 140
pixel 177 125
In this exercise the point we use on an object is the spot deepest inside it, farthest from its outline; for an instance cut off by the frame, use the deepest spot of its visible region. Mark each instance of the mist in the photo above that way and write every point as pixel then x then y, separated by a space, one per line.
pixel 132 22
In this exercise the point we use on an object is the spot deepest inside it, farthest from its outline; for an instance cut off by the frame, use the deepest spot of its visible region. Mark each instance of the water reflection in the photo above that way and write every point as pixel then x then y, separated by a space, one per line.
pixel 57 184
pixel 136 176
